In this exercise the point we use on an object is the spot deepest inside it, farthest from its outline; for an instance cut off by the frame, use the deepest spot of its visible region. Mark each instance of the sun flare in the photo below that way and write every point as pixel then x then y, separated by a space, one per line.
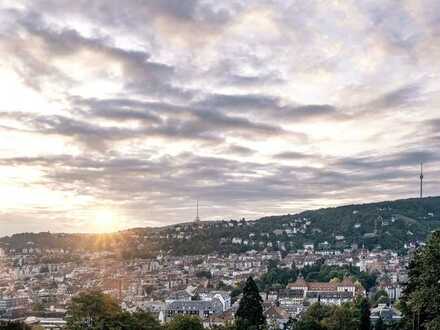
pixel 105 221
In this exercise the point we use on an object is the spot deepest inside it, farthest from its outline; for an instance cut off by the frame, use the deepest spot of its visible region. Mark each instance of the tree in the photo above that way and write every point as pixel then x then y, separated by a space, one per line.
pixel 204 273
pixel 307 325
pixel 37 307
pixel 314 316
pixel 325 317
pixel 235 293
pixel 421 298
pixel 364 309
pixel 185 323
pixel 380 325
pixel 318 312
pixel 13 325
pixel 341 318
pixel 250 310
pixel 136 320
pixel 91 309
pixel 95 310
pixel 380 297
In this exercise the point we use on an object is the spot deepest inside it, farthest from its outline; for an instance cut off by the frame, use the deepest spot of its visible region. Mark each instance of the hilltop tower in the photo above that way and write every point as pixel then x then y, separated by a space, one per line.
pixel 421 180
pixel 197 219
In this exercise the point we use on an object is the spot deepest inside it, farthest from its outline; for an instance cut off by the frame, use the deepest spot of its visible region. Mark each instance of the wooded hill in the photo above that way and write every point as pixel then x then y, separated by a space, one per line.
pixel 386 225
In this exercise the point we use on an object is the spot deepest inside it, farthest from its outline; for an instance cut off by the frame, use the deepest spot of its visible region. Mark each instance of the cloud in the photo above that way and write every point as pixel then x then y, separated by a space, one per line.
pixel 40 40
pixel 293 155
pixel 404 96
pixel 240 150
pixel 254 108
pixel 396 160
pixel 273 107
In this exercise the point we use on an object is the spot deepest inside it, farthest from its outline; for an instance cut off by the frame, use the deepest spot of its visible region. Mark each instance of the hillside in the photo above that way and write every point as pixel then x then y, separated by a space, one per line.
pixel 391 224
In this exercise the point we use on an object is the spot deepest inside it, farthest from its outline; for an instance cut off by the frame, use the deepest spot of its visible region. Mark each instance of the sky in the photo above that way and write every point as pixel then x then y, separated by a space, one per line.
pixel 118 114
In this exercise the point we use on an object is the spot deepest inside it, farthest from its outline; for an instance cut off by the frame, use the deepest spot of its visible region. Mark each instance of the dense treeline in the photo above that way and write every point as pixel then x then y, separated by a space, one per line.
pixel 421 300
pixel 278 277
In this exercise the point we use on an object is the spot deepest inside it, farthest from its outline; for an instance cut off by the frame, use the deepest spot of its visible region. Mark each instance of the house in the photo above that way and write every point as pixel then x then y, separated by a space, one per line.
pixel 330 298
pixel 394 291
pixel 328 292
pixel 276 317
pixel 219 320
pixel 290 297
pixel 51 323
pixel 223 296
pixel 201 308
pixel 388 314
pixel 309 246
pixel 181 295
pixel 236 240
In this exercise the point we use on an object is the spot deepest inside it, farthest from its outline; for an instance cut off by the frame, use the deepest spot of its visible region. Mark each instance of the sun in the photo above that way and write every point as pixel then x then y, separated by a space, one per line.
pixel 105 221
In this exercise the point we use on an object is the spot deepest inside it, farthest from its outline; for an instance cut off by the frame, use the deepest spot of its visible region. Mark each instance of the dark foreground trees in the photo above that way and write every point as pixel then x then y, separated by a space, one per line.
pixel 184 323
pixel 421 299
pixel 13 325
pixel 364 310
pixel 249 315
pixel 96 310
pixel 349 316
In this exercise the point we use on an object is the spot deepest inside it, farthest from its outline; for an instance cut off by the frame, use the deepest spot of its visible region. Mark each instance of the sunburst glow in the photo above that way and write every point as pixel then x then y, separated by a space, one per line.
pixel 105 222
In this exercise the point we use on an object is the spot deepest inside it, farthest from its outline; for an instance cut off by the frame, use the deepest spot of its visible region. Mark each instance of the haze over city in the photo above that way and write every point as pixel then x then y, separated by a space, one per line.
pixel 118 116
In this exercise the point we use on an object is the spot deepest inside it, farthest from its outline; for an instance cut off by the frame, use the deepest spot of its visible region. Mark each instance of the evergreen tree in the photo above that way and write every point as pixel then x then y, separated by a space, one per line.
pixel 250 311
pixel 364 308
pixel 380 325
pixel 421 299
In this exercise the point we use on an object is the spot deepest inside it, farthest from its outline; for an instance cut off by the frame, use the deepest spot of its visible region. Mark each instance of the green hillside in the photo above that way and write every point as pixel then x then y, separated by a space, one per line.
pixel 387 225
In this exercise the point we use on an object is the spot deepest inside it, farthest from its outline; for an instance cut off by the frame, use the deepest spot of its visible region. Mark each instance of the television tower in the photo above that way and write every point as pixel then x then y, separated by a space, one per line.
pixel 421 180
pixel 197 214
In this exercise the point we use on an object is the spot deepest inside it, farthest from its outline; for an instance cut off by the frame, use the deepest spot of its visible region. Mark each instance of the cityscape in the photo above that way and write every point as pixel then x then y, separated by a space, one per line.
pixel 219 165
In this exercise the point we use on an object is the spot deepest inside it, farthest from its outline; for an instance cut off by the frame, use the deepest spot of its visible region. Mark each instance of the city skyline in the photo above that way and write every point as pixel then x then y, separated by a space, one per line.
pixel 124 116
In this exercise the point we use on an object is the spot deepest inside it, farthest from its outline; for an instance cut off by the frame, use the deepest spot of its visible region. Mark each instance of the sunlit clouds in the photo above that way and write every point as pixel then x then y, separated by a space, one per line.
pixel 122 114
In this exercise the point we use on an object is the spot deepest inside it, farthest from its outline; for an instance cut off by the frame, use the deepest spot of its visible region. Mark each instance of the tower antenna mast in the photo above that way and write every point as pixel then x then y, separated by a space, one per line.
pixel 421 180
pixel 197 214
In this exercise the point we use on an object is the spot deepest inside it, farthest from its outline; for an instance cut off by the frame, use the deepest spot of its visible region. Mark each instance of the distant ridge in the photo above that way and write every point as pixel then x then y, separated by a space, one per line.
pixel 388 224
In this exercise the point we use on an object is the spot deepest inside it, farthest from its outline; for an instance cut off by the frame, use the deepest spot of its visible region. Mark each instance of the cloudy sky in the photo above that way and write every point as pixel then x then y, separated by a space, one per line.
pixel 116 114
